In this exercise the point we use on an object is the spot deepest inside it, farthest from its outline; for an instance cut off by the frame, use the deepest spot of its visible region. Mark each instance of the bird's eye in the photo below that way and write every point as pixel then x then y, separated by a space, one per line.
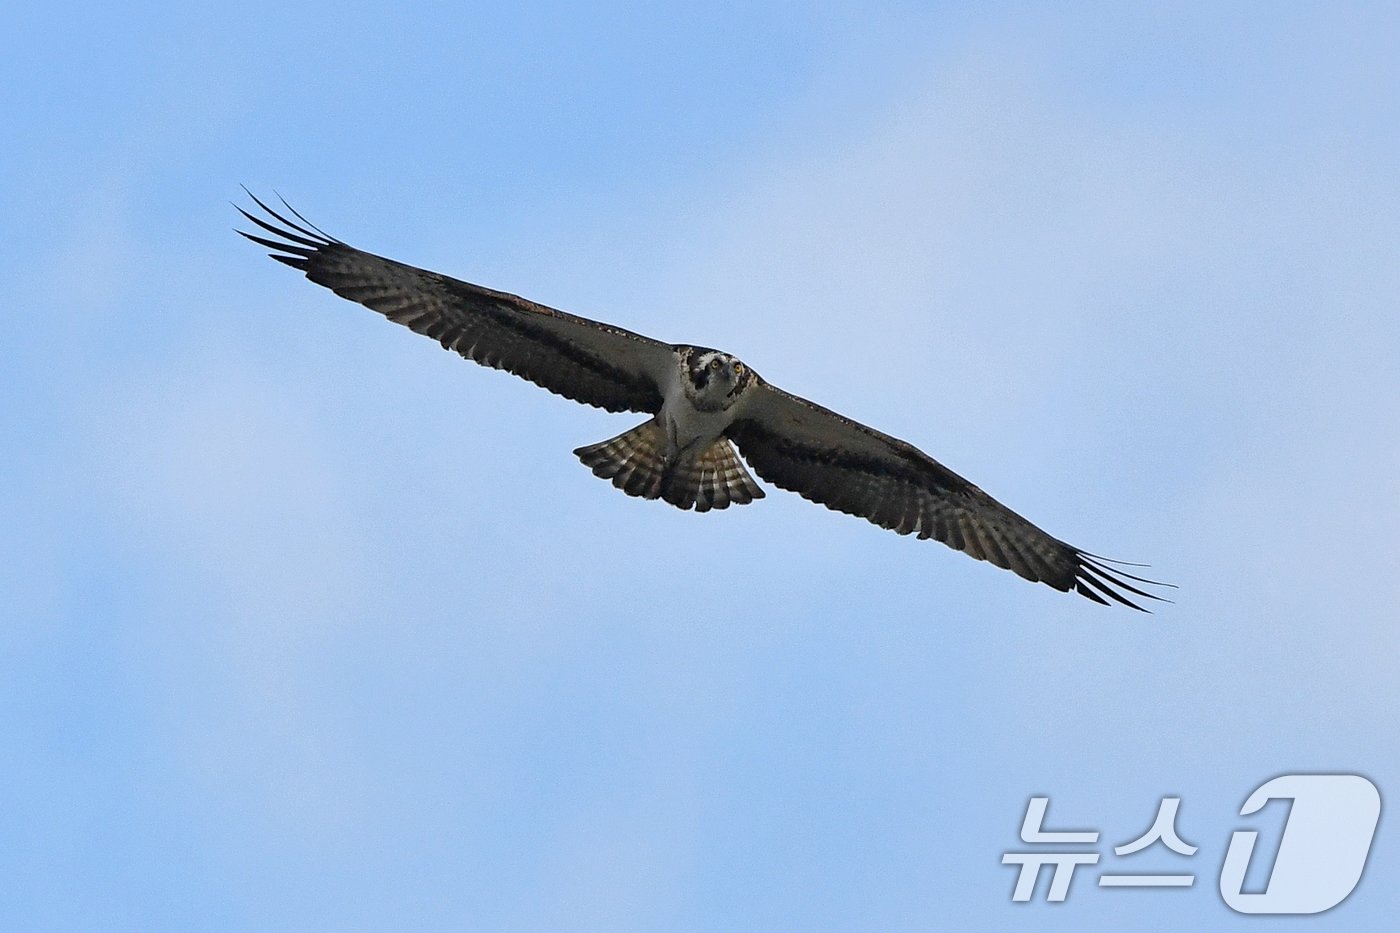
pixel 714 364
pixel 738 367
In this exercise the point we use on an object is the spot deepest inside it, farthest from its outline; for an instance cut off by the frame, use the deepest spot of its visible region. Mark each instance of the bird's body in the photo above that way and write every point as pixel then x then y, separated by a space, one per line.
pixel 702 397
pixel 682 455
pixel 703 402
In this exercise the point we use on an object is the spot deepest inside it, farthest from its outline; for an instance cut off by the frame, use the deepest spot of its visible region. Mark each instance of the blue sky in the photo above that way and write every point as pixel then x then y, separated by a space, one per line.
pixel 308 624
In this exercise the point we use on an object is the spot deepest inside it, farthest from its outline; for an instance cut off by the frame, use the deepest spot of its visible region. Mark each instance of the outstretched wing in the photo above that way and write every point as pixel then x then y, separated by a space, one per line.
pixel 844 465
pixel 584 360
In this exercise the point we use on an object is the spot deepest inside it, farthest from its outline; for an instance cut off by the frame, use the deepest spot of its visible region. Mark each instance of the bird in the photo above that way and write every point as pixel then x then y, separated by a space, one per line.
pixel 702 403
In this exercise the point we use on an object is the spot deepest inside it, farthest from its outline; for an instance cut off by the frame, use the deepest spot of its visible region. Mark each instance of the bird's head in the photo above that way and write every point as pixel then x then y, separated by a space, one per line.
pixel 713 378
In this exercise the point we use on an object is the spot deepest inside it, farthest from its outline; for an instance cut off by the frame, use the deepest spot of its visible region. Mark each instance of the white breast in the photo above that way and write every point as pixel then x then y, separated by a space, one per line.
pixel 686 426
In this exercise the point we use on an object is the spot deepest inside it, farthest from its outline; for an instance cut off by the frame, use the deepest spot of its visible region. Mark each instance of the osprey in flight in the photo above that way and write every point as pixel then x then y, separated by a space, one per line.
pixel 702 403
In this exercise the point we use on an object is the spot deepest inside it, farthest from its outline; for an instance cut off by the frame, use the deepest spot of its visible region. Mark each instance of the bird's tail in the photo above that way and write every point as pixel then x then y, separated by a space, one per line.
pixel 636 463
